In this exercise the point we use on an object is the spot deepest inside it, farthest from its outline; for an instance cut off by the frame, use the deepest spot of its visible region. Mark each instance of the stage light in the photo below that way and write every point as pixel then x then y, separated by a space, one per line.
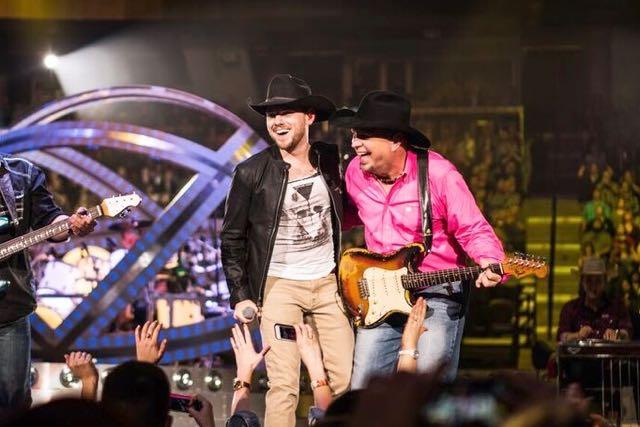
pixel 51 60
pixel 183 379
pixel 33 376
pixel 67 379
pixel 213 380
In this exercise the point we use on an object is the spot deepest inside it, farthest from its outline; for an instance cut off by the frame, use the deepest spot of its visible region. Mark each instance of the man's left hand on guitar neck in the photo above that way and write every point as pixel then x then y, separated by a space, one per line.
pixel 80 224
pixel 487 279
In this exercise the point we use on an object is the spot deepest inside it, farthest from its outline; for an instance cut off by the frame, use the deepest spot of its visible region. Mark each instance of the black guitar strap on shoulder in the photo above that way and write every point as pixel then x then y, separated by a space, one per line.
pixel 8 196
pixel 425 198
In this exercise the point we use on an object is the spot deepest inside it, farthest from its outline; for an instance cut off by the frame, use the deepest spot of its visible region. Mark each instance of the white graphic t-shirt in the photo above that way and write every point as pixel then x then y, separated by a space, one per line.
pixel 304 244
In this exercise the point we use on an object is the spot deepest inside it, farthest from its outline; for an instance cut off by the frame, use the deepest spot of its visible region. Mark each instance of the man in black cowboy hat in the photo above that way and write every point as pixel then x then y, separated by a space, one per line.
pixel 281 244
pixel 383 183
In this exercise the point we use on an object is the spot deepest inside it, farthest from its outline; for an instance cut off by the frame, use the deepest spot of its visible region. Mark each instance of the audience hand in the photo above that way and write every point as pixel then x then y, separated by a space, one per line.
pixel 147 348
pixel 415 325
pixel 246 356
pixel 309 349
pixel 204 416
pixel 81 365
pixel 487 278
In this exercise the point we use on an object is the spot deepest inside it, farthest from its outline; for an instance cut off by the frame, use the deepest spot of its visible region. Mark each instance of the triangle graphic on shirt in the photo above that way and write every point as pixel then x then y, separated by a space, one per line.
pixel 305 190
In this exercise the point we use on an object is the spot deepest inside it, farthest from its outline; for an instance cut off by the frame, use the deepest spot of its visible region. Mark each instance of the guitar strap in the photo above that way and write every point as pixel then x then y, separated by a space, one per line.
pixel 425 198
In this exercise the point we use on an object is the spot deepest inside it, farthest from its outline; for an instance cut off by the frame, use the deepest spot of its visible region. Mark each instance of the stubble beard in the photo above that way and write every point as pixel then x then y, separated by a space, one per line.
pixel 293 143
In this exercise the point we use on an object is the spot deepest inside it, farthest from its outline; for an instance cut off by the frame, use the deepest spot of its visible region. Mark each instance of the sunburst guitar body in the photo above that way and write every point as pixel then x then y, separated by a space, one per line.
pixel 374 286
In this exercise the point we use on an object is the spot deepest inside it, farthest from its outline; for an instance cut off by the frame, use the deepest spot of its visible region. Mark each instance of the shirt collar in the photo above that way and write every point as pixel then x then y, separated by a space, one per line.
pixel 410 168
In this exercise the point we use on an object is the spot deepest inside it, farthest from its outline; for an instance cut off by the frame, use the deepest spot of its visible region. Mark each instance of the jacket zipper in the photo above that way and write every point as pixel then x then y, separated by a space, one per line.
pixel 273 234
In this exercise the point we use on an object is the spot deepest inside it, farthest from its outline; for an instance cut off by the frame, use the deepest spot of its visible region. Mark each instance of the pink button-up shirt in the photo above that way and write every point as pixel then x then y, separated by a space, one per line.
pixel 392 220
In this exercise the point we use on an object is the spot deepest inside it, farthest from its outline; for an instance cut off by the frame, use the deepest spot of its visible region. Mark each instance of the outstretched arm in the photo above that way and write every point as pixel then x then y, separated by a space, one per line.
pixel 82 367
pixel 413 329
pixel 311 355
pixel 246 361
pixel 148 349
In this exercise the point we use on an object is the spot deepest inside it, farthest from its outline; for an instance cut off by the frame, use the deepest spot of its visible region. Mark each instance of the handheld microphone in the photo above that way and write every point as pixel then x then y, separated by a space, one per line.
pixel 249 313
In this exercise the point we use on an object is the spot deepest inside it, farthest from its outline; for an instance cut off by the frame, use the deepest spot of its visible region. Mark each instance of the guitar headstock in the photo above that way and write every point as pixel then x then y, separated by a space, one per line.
pixel 118 205
pixel 521 265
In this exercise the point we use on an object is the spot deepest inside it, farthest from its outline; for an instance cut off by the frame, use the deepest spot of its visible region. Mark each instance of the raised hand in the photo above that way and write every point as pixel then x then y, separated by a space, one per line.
pixel 415 325
pixel 147 347
pixel 309 349
pixel 246 356
pixel 81 365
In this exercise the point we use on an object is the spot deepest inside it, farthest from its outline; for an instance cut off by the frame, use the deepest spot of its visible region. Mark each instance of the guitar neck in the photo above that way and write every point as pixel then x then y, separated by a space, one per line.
pixel 21 243
pixel 421 280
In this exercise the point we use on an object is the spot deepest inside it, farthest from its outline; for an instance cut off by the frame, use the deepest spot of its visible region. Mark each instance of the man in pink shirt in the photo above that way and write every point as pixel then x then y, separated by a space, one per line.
pixel 382 184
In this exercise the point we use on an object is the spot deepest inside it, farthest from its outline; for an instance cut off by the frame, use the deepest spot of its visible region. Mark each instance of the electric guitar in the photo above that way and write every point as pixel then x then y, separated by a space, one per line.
pixel 373 286
pixel 111 207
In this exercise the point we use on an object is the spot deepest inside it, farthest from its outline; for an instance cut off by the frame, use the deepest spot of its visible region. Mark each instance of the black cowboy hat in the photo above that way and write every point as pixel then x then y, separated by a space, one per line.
pixel 382 110
pixel 288 91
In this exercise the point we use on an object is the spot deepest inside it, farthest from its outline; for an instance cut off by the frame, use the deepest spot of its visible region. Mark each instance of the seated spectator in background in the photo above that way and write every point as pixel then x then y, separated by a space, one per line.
pixel 590 208
pixel 628 178
pixel 608 188
pixel 588 177
pixel 65 413
pixel 597 232
pixel 593 315
pixel 586 251
pixel 629 196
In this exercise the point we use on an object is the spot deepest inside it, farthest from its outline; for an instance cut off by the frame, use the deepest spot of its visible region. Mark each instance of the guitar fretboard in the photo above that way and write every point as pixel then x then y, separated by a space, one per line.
pixel 422 280
pixel 22 242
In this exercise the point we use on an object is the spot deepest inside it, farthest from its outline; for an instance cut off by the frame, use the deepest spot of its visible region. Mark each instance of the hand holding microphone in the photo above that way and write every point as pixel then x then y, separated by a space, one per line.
pixel 245 311
pixel 249 313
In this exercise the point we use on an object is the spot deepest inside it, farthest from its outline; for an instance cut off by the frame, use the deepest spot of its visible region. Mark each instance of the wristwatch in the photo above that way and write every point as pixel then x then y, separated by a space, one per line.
pixel 319 383
pixel 238 384
pixel 413 353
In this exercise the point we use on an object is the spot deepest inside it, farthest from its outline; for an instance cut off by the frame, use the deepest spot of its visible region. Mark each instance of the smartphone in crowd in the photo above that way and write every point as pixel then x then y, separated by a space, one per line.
pixel 180 402
pixel 285 332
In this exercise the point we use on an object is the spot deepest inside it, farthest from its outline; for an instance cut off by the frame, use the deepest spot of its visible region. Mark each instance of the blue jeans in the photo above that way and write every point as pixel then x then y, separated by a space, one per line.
pixel 15 364
pixel 376 350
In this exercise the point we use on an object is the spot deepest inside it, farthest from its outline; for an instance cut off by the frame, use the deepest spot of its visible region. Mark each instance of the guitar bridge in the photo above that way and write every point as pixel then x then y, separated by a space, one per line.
pixel 363 289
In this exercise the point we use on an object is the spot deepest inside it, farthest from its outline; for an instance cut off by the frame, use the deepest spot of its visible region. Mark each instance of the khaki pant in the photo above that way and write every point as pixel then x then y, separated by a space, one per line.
pixel 287 302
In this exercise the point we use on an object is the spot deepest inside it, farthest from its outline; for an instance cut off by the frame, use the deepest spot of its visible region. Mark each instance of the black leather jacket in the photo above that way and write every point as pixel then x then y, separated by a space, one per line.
pixel 252 215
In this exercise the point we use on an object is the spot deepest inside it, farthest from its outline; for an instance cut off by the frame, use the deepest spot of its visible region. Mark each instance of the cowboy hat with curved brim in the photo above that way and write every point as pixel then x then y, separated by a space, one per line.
pixel 591 266
pixel 288 91
pixel 383 110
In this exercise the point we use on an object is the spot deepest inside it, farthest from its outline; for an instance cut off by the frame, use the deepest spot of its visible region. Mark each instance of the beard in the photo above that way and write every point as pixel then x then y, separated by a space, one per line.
pixel 290 141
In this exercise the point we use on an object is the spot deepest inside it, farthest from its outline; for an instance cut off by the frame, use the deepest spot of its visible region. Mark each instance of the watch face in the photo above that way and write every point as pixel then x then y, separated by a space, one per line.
pixel 238 384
